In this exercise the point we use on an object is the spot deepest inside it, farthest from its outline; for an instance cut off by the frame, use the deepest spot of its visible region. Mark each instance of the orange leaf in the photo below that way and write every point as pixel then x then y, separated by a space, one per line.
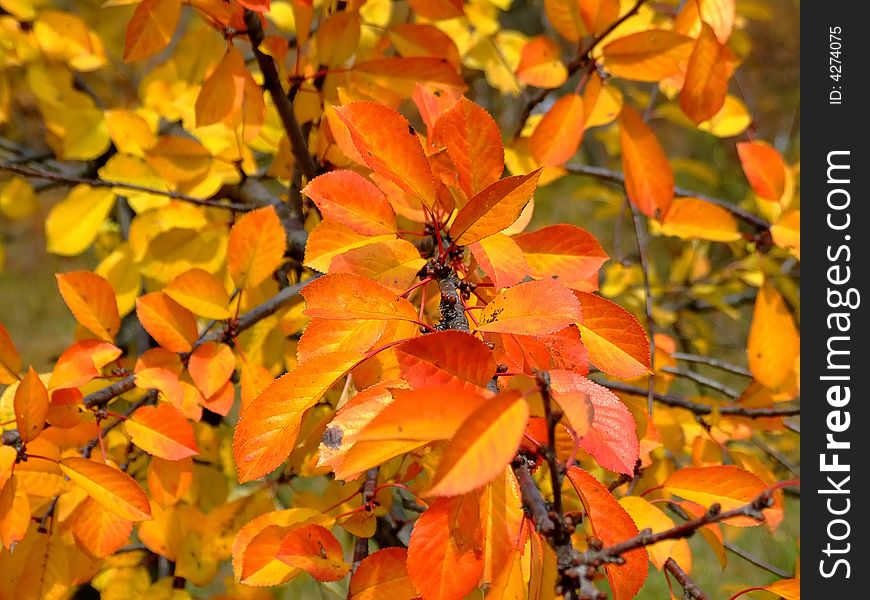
pixel 566 18
pixel 150 28
pixel 92 302
pixel 14 513
pixel 612 437
pixel 786 232
pixel 424 415
pixel 541 64
pixel 616 342
pixel 201 293
pixel 446 358
pixel 422 40
pixel 222 92
pixel 256 247
pixel 501 259
pixel 707 74
pixel 649 180
pixel 352 200
pixel 482 446
pixel 788 589
pixel 10 360
pixel 345 296
pixel 162 431
pixel 650 55
pixel 432 101
pixel 598 15
pixel 99 532
pixel 392 263
pixel 211 365
pixel 169 480
pixel 558 135
pixel 532 308
pixel 693 218
pixel 315 550
pixel 570 253
pixel 330 239
pixel 269 425
pixel 159 369
pixel 325 336
pixel 611 524
pixel 729 486
pixel 81 362
pixel 390 147
pixel 445 561
pixel 774 341
pixel 474 144
pixel 169 323
pixel 493 209
pixel 575 404
pixel 112 489
pixel 31 406
pixel 383 574
pixel 718 14
pixel 764 168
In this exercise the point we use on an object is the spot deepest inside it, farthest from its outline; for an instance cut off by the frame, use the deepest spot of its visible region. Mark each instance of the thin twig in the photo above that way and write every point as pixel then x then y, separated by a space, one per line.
pixel 690 589
pixel 703 380
pixel 640 237
pixel 103 183
pixel 712 362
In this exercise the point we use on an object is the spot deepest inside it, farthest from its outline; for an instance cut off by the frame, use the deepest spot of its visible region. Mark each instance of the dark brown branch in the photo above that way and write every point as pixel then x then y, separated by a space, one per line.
pixel 705 409
pixel 361 546
pixel 272 82
pixel 617 177
pixel 102 183
pixel 690 589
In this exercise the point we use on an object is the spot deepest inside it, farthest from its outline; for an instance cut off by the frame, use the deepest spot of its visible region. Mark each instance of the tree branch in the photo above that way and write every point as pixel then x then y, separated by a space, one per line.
pixel 690 589
pixel 639 235
pixel 272 82
pixel 712 362
pixel 706 409
pixel 617 177
pixel 361 546
pixel 707 382
pixel 102 183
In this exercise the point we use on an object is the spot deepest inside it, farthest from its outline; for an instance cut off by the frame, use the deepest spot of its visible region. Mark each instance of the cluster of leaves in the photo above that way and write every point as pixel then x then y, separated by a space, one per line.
pixel 318 330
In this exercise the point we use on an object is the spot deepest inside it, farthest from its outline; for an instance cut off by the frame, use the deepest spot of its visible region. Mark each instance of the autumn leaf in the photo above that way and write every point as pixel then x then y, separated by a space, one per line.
pixel 112 489
pixel 390 147
pixel 211 365
pixel 494 209
pixel 444 558
pixel 31 406
pixel 91 300
pixel 162 431
pixel 532 308
pixel 541 64
pixel 616 342
pixel 482 446
pixel 575 404
pixel 647 516
pixel 352 200
pixel 201 293
pixel 150 28
pixel 611 524
pixel 325 336
pixel 694 218
pixel 315 550
pixel 649 55
pixel 345 296
pixel 474 144
pixel 559 133
pixel 446 358
pixel 729 486
pixel 570 253
pixel 501 259
pixel 169 480
pixel 10 360
pixel 222 92
pixel 14 513
pixel 707 74
pixel 764 168
pixel 269 424
pixel 73 223
pixel 382 574
pixel 169 323
pixel 774 341
pixel 100 532
pixel 649 181
pixel 256 247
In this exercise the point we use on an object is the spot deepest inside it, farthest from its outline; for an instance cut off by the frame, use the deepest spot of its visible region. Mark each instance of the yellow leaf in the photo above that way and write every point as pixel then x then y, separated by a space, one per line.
pixel 731 120
pixel 73 223
pixel 786 232
pixel 17 199
pixel 112 489
pixel 178 159
pixel 14 513
pixel 645 515
pixel 129 131
pixel 693 218
pixel 774 341
pixel 122 273
pixel 66 37
pixel 201 293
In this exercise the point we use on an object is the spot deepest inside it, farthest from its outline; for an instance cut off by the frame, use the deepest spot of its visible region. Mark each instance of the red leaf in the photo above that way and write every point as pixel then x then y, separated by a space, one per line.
pixel 611 524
